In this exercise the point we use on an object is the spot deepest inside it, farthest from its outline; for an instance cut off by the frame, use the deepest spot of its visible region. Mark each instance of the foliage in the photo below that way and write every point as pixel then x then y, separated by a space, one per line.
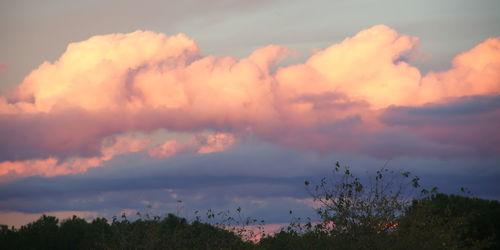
pixel 348 206
pixel 458 222
pixel 171 232
pixel 247 228
pixel 392 211
pixel 386 211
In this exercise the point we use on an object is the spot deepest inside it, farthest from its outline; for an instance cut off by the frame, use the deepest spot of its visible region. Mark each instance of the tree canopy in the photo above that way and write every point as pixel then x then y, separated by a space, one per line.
pixel 389 210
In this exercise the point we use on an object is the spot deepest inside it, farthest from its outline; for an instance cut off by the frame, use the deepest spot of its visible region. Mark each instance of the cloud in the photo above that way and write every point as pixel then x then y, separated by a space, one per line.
pixel 474 72
pixel 53 166
pixel 45 167
pixel 367 67
pixel 4 66
pixel 265 181
pixel 115 84
pixel 200 144
pixel 111 147
pixel 467 122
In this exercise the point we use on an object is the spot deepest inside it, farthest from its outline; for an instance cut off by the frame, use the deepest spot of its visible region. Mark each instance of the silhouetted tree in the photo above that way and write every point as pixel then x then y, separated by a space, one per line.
pixel 454 222
pixel 387 211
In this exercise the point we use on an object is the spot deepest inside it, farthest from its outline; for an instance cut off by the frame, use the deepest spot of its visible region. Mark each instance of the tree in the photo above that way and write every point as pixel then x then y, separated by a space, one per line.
pixel 386 211
pixel 390 211
pixel 41 234
pixel 360 213
pixel 454 222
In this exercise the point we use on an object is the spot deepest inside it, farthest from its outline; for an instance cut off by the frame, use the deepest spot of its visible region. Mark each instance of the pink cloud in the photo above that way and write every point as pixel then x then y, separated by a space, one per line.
pixel 4 66
pixel 170 148
pixel 219 142
pixel 117 145
pixel 200 144
pixel 53 166
pixel 144 81
pixel 474 72
pixel 366 67
pixel 45 167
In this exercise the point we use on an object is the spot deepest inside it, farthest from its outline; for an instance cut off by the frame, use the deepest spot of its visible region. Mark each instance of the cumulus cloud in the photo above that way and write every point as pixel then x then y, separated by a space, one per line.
pixel 144 81
pixel 474 72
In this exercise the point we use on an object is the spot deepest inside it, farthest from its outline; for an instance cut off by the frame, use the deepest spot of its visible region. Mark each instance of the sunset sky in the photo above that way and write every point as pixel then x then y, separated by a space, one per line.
pixel 110 107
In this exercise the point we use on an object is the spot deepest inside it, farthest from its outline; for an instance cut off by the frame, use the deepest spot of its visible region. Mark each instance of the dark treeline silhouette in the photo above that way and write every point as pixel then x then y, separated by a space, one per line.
pixel 385 214
pixel 171 232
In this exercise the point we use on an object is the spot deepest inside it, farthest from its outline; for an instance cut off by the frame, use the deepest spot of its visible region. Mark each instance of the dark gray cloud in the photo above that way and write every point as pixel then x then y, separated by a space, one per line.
pixel 264 180
pixel 398 142
pixel 460 109
pixel 470 123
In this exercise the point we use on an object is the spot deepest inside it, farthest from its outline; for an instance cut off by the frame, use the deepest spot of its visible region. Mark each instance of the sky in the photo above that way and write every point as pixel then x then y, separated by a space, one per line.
pixel 176 106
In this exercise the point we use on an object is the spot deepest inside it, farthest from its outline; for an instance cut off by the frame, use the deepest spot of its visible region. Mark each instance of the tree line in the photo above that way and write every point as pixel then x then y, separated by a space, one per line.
pixel 389 210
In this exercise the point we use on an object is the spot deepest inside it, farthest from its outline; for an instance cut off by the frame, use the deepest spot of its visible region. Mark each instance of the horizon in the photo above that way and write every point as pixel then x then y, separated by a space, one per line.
pixel 108 109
